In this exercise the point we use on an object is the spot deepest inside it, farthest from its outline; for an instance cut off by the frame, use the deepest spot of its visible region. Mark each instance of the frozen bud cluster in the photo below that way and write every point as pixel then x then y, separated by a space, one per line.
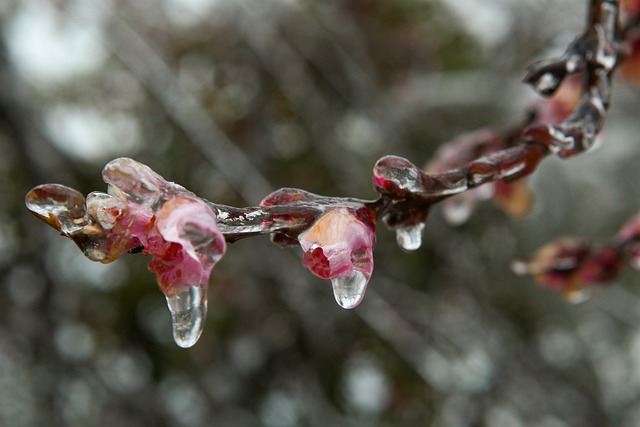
pixel 143 211
pixel 572 266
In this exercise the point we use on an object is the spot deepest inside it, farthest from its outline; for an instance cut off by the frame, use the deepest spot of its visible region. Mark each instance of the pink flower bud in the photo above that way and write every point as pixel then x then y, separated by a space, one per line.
pixel 339 247
pixel 185 242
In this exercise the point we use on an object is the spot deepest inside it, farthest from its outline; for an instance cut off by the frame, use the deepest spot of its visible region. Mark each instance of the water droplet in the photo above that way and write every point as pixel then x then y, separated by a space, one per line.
pixel 410 238
pixel 349 290
pixel 188 315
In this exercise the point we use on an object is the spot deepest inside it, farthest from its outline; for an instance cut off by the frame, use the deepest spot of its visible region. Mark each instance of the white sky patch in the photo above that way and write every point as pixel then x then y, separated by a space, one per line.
pixel 488 21
pixel 49 48
pixel 90 134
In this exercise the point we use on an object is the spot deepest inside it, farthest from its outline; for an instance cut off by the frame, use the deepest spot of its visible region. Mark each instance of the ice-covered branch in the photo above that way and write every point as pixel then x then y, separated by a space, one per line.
pixel 186 235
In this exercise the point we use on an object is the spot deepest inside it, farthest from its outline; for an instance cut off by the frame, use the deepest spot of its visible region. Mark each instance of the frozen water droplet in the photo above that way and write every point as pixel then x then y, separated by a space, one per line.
pixel 59 206
pixel 410 238
pixel 349 290
pixel 547 84
pixel 188 314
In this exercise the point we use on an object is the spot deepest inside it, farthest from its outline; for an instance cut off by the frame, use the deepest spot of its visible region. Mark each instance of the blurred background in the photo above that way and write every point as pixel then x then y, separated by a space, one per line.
pixel 233 99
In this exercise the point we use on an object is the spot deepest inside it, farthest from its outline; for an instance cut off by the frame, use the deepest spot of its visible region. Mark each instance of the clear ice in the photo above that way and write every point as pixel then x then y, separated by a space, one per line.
pixel 547 83
pixel 59 206
pixel 188 314
pixel 409 238
pixel 349 290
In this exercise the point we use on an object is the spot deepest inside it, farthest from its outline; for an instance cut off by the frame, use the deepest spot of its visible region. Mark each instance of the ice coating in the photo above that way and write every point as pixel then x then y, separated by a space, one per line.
pixel 91 223
pixel 137 183
pixel 339 247
pixel 396 175
pixel 490 160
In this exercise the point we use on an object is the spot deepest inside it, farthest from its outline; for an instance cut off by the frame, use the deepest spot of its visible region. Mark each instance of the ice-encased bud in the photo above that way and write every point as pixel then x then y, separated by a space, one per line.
pixel 571 266
pixel 349 290
pixel 61 207
pixel 185 243
pixel 188 314
pixel 396 175
pixel 547 84
pixel 339 247
pixel 88 223
pixel 138 183
pixel 409 237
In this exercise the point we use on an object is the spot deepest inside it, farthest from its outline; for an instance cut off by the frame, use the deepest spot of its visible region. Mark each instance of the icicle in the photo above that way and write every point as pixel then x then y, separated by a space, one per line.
pixel 409 238
pixel 349 290
pixel 188 315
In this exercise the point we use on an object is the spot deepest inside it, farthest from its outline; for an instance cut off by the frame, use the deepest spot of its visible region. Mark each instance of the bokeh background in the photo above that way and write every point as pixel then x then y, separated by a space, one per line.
pixel 233 99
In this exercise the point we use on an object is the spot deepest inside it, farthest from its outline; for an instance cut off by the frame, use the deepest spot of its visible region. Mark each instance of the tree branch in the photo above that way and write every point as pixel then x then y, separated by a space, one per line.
pixel 187 236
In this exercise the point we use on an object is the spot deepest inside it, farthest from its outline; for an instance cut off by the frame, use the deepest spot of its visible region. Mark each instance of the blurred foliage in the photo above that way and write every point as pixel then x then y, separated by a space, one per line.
pixel 234 99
